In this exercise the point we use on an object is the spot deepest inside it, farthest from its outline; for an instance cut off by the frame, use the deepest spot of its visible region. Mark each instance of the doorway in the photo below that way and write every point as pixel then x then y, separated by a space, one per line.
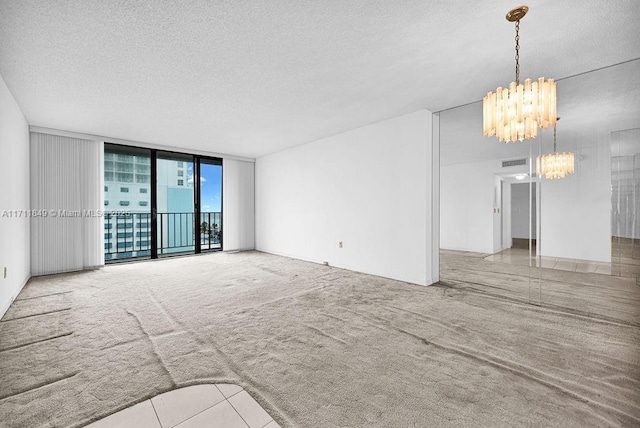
pixel 523 215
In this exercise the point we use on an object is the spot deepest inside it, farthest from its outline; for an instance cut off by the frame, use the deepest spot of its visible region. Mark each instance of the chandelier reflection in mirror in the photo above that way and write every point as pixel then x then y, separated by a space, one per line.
pixel 515 113
pixel 555 165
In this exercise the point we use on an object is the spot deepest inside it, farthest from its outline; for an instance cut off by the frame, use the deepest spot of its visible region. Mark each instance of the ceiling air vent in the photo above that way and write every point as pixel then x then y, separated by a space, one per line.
pixel 514 162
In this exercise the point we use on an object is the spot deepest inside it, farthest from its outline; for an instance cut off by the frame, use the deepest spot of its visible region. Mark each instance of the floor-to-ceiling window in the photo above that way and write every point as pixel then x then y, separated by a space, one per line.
pixel 160 203
pixel 175 203
pixel 210 190
pixel 127 216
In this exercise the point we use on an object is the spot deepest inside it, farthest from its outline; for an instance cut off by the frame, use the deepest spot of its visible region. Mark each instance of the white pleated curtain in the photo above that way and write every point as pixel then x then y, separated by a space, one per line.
pixel 238 208
pixel 67 231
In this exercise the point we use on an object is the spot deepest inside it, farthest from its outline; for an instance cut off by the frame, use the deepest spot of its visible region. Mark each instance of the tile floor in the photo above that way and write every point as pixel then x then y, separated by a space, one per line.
pixel 521 257
pixel 215 406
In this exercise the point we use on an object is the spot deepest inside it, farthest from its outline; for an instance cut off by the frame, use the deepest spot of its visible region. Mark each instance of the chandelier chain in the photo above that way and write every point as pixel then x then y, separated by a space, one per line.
pixel 555 146
pixel 518 52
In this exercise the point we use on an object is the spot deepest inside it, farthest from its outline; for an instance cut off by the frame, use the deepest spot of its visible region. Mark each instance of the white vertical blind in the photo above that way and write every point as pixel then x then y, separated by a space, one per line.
pixel 238 213
pixel 66 204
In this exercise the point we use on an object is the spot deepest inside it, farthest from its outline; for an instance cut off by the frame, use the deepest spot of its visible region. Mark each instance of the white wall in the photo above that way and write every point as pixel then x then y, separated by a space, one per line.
pixel 369 188
pixel 467 202
pixel 434 208
pixel 238 209
pixel 14 195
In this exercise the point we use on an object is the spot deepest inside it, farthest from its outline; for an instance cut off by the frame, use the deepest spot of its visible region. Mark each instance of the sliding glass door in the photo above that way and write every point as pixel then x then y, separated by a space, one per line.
pixel 175 212
pixel 210 191
pixel 160 203
pixel 127 208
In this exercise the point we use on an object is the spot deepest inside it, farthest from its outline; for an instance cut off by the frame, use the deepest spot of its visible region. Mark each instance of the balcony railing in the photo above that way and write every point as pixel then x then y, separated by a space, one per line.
pixel 128 235
pixel 210 230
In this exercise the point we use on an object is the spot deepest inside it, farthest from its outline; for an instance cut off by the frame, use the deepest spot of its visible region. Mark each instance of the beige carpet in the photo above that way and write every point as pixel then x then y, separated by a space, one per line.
pixel 320 346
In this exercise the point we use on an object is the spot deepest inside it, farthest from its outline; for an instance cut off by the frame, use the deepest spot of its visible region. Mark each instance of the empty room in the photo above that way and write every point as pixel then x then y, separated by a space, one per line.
pixel 319 213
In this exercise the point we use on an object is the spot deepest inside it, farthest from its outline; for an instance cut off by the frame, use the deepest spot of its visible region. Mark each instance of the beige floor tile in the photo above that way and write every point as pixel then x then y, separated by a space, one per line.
pixel 252 413
pixel 586 267
pixel 603 269
pixel 615 270
pixel 518 256
pixel 549 264
pixel 521 261
pixel 474 254
pixel 179 405
pixel 568 266
pixel 222 415
pixel 141 415
pixel 272 424
pixel 629 272
pixel 228 389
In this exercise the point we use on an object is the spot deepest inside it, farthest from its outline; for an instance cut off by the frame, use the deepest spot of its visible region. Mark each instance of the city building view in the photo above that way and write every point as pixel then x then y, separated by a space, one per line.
pixel 127 203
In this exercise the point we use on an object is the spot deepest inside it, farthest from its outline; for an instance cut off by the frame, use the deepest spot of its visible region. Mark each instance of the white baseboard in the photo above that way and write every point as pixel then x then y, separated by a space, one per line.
pixel 340 266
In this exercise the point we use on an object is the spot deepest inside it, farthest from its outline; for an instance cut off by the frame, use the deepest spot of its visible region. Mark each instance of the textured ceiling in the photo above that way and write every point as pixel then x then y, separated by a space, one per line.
pixel 252 77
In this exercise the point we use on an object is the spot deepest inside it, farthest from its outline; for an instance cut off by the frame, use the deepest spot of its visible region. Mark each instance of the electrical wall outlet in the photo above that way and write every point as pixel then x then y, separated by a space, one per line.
pixel 340 244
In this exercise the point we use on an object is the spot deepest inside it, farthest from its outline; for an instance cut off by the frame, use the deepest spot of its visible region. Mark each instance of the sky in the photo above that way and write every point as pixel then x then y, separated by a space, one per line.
pixel 210 187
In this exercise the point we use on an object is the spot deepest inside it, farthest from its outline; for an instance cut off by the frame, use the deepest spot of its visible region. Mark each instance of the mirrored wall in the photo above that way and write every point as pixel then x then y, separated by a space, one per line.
pixel 625 203
pixel 532 230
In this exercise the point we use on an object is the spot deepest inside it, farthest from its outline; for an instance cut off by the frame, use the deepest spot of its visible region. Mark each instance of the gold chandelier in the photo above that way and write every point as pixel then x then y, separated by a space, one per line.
pixel 516 113
pixel 555 165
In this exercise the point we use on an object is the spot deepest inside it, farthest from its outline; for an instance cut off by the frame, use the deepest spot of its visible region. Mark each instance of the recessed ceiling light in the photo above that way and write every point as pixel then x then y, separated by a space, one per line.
pixel 521 176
